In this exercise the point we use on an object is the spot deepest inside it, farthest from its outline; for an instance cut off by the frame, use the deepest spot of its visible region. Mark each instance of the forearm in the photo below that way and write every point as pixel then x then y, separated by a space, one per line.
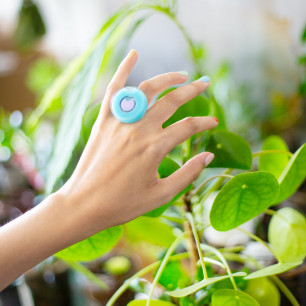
pixel 36 235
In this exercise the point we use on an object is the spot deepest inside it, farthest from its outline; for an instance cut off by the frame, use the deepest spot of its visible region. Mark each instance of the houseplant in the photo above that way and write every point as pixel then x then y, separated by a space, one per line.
pixel 245 195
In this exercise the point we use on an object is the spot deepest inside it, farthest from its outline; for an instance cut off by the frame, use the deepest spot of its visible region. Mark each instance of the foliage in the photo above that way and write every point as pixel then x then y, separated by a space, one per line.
pixel 246 195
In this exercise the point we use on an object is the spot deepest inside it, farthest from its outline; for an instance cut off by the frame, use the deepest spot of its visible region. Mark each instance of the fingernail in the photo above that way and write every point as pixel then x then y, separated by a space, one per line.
pixel 209 159
pixel 205 79
pixel 216 119
pixel 183 73
pixel 131 53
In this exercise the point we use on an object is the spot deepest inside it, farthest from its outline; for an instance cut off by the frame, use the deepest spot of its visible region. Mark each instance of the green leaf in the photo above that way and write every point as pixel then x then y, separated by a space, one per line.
pixel 293 175
pixel 231 150
pixel 173 276
pixel 287 234
pixel 274 269
pixel 217 111
pixel 273 163
pixel 198 106
pixel 167 167
pixel 92 247
pixel 263 291
pixel 77 100
pixel 244 197
pixel 193 288
pixel 152 302
pixel 151 230
pixel 230 297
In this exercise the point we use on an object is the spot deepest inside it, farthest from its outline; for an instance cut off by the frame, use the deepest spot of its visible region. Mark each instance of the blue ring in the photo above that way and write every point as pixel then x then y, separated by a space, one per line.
pixel 137 112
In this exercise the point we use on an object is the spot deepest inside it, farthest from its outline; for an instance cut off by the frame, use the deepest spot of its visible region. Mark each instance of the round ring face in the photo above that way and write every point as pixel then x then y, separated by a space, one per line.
pixel 129 104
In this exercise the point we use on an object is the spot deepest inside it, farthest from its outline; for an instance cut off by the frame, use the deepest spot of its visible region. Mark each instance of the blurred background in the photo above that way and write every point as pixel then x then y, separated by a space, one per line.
pixel 253 50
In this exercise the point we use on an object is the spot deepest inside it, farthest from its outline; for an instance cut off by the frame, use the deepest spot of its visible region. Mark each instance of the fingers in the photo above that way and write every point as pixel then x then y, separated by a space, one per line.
pixel 181 178
pixel 168 104
pixel 159 83
pixel 184 129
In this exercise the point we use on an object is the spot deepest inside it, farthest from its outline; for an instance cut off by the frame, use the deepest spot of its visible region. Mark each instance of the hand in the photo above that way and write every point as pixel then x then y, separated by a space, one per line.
pixel 116 179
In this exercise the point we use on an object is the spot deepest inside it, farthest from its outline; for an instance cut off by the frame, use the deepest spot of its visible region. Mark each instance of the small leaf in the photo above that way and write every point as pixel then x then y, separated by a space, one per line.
pixel 293 175
pixel 274 269
pixel 263 291
pixel 193 288
pixel 167 167
pixel 152 303
pixel 150 230
pixel 230 297
pixel 287 234
pixel 244 197
pixel 92 247
pixel 273 163
pixel 231 150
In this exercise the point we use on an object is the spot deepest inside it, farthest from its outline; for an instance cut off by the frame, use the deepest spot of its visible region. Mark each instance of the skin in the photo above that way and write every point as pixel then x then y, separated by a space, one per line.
pixel 116 179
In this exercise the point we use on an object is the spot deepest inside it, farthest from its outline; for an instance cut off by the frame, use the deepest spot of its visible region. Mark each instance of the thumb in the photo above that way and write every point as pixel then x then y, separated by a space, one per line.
pixel 190 171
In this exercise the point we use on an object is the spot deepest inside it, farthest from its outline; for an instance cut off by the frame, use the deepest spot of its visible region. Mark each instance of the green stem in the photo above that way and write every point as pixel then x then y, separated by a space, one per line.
pixel 270 212
pixel 173 219
pixel 76 266
pixel 197 240
pixel 140 273
pixel 202 185
pixel 272 152
pixel 163 265
pixel 223 260
pixel 285 290
pixel 254 237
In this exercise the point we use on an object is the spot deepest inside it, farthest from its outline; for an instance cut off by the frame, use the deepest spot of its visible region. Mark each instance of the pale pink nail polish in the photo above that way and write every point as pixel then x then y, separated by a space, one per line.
pixel 209 159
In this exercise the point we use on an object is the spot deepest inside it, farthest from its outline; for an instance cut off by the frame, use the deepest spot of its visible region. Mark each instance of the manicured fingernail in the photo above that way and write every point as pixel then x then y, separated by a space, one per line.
pixel 183 73
pixel 209 159
pixel 131 53
pixel 205 79
pixel 216 119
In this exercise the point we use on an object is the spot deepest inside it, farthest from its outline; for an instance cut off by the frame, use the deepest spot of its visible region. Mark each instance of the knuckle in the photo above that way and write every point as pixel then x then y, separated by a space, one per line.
pixel 146 86
pixel 192 122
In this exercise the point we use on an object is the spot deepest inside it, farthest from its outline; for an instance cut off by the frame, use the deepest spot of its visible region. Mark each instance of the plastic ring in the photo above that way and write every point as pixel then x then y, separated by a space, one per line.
pixel 129 104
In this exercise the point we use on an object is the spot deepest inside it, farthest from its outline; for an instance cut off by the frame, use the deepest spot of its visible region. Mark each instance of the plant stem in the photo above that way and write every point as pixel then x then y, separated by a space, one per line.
pixel 140 273
pixel 285 290
pixel 223 260
pixel 272 152
pixel 191 248
pixel 197 240
pixel 202 185
pixel 270 212
pixel 254 237
pixel 163 265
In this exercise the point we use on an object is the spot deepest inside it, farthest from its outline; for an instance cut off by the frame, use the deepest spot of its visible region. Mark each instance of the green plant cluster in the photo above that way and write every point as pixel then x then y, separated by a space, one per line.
pixel 246 187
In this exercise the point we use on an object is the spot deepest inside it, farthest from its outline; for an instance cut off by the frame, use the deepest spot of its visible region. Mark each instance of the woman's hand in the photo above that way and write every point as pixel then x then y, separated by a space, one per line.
pixel 116 179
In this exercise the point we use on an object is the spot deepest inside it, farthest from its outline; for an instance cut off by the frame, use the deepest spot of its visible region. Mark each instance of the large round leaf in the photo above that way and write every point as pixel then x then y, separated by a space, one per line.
pixel 287 234
pixel 152 302
pixel 293 175
pixel 274 163
pixel 244 197
pixel 231 150
pixel 263 291
pixel 274 269
pixel 230 297
pixel 92 247
pixel 167 167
